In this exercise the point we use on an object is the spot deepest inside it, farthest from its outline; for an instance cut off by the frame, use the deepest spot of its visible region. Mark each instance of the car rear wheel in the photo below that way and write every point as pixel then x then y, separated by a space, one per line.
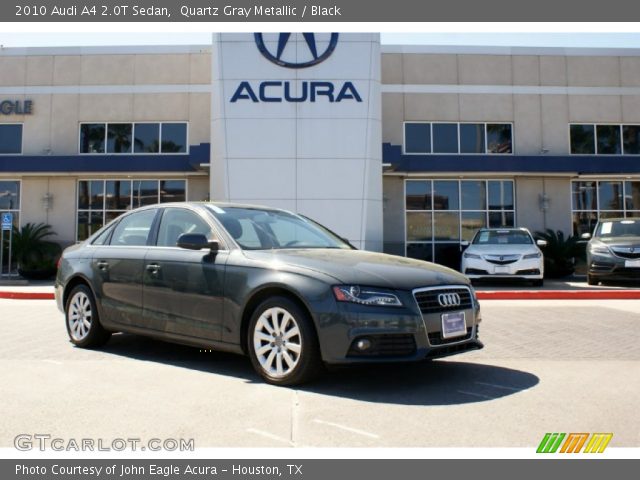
pixel 282 343
pixel 83 323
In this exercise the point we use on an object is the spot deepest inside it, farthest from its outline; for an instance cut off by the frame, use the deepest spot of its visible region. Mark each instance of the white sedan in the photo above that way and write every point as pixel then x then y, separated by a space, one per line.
pixel 504 253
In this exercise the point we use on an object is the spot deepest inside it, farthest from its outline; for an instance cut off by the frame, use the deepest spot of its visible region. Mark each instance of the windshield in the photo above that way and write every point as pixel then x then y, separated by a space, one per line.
pixel 502 237
pixel 256 229
pixel 618 228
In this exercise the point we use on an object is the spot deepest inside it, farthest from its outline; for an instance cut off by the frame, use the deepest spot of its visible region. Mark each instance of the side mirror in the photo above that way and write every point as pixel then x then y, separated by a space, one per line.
pixel 197 241
pixel 585 236
pixel 541 243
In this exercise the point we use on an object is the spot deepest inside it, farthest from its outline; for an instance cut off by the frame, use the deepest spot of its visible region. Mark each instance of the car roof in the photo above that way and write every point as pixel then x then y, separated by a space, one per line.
pixel 502 229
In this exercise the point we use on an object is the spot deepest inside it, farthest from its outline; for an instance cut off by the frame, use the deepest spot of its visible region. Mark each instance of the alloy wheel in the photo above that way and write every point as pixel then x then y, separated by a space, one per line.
pixel 277 342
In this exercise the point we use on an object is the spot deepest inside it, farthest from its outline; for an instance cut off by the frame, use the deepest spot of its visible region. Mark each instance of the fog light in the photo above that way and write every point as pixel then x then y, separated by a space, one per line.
pixel 363 344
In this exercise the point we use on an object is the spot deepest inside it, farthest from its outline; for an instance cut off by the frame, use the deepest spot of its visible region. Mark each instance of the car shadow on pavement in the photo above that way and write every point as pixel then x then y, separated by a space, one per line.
pixel 438 382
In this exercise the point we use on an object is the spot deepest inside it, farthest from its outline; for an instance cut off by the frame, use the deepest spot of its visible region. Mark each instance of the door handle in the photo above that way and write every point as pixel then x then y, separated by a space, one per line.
pixel 102 265
pixel 153 268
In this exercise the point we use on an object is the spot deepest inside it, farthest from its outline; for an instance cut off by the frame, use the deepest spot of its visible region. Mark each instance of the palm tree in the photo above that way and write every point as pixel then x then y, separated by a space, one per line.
pixel 559 253
pixel 34 254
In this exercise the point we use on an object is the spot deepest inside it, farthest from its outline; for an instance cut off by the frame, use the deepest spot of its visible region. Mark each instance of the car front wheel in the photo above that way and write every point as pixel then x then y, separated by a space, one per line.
pixel 282 343
pixel 83 323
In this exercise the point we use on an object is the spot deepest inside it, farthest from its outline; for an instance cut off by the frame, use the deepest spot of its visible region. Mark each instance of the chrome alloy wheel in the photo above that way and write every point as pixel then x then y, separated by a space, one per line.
pixel 80 316
pixel 277 342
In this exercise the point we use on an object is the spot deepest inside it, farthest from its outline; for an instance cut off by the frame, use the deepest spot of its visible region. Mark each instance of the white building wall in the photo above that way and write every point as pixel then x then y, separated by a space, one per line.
pixel 321 159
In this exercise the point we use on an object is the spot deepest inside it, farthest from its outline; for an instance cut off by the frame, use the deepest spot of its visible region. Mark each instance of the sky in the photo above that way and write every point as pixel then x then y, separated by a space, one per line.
pixel 546 39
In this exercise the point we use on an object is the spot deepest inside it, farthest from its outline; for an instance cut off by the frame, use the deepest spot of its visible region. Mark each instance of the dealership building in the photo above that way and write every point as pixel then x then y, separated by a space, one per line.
pixel 402 149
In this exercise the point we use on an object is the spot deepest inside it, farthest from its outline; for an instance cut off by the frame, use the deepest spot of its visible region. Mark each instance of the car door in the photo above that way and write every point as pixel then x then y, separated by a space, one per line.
pixel 117 268
pixel 183 289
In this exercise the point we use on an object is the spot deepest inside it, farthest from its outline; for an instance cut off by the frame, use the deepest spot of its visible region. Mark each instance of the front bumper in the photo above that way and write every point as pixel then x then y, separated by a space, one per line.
pixel 400 334
pixel 530 268
pixel 613 268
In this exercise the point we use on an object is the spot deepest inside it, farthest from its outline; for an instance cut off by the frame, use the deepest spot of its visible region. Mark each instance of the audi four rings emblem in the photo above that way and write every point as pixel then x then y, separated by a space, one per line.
pixel 449 299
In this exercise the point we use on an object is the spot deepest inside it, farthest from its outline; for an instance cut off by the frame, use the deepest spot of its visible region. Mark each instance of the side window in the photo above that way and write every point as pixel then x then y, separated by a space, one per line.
pixel 103 237
pixel 133 229
pixel 175 222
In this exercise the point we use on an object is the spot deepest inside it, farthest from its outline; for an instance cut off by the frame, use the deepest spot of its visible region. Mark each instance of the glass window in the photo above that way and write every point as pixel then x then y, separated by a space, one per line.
pixel 499 138
pixel 172 191
pixel 632 195
pixel 445 195
pixel 610 196
pixel 501 219
pixel 417 138
pixel 418 195
pixel 420 251
pixel 118 194
pixel 147 138
pixel 178 221
pixel 103 237
pixel 608 139
pixel 501 195
pixel 119 138
pixel 9 195
pixel 445 138
pixel 582 139
pixel 145 192
pixel 445 226
pixel 471 222
pixel 584 195
pixel 10 138
pixel 92 137
pixel 419 227
pixel 472 138
pixel 584 222
pixel 474 195
pixel 96 194
pixel 134 229
pixel 631 139
pixel 174 138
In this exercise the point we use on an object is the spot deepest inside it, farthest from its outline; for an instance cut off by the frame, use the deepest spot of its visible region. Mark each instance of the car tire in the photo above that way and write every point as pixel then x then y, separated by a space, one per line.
pixel 591 280
pixel 538 283
pixel 82 319
pixel 282 343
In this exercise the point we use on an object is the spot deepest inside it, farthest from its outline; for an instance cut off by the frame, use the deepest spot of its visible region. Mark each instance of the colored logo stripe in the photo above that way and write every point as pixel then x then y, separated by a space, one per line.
pixel 574 442
pixel 598 442
pixel 550 443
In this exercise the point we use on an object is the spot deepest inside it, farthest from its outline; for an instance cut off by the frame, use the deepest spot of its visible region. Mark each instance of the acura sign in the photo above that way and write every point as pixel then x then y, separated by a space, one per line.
pixel 284 90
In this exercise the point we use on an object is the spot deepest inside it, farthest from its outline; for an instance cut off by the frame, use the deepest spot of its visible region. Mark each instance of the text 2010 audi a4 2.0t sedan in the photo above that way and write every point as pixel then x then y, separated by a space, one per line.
pixel 268 283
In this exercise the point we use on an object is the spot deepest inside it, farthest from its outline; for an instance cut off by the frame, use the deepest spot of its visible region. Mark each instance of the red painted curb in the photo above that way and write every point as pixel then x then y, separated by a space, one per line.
pixel 27 295
pixel 559 295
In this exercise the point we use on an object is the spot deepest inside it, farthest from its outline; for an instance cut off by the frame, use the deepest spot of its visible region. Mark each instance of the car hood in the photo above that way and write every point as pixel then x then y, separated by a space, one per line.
pixel 363 268
pixel 619 241
pixel 501 249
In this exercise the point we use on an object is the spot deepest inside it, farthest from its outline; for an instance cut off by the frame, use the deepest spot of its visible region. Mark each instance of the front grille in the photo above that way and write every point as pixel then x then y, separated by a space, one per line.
pixel 502 259
pixel 428 300
pixel 627 253
pixel 435 338
pixel 385 345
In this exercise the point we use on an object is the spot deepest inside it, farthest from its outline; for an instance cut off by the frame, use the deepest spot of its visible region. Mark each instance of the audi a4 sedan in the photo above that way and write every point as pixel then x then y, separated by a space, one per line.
pixel 504 253
pixel 613 253
pixel 267 283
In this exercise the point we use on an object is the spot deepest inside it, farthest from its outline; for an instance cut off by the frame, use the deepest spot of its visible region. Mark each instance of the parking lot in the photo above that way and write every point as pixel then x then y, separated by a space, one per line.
pixel 548 366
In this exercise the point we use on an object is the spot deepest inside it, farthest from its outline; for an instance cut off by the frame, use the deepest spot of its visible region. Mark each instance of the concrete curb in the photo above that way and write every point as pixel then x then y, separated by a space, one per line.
pixel 559 295
pixel 482 295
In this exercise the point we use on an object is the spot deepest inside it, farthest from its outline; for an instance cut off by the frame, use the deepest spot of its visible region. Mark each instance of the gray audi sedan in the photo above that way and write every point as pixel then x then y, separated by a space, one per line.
pixel 262 282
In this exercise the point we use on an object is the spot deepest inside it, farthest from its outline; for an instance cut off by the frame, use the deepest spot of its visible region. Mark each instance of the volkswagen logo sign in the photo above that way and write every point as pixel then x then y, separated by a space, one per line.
pixel 449 299
pixel 312 56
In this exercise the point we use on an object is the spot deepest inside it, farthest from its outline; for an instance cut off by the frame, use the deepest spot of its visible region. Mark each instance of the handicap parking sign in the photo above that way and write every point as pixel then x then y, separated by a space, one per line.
pixel 7 221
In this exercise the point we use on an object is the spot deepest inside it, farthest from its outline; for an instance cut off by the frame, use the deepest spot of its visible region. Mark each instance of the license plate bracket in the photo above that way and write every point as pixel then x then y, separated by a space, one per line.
pixel 453 324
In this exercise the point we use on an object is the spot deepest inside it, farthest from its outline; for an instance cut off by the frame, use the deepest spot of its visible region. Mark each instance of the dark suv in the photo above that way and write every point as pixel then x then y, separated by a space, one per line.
pixel 613 253
pixel 262 282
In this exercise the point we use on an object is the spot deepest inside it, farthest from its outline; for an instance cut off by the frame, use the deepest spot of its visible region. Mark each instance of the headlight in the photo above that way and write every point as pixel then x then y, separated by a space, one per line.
pixel 365 296
pixel 532 255
pixel 600 249
pixel 471 255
